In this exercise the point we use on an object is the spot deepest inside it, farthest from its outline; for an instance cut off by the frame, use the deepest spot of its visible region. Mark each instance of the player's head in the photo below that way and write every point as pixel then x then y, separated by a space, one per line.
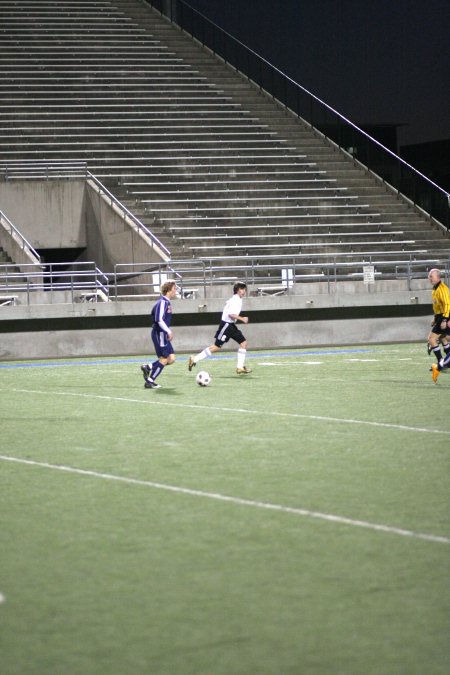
pixel 434 275
pixel 168 286
pixel 239 286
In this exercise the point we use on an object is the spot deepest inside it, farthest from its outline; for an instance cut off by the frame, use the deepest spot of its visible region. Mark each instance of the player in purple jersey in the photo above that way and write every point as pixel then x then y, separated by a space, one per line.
pixel 161 335
pixel 228 330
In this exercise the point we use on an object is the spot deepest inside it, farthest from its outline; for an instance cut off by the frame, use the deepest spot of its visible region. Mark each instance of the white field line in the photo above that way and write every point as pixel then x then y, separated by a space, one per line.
pixel 242 411
pixel 341 520
pixel 303 362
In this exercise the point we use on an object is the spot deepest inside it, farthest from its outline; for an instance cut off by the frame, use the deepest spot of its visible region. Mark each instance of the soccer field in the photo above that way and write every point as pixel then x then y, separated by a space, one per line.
pixel 292 521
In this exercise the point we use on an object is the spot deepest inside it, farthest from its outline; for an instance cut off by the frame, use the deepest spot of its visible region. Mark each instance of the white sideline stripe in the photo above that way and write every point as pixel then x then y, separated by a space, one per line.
pixel 234 500
pixel 243 411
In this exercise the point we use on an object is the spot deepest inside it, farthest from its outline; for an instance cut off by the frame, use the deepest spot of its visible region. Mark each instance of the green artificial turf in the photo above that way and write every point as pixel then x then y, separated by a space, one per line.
pixel 293 521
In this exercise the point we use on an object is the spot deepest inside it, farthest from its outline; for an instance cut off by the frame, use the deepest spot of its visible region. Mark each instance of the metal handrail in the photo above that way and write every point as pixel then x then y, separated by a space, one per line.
pixel 128 214
pixel 18 236
pixel 195 276
pixel 215 272
pixel 19 169
pixel 127 275
pixel 47 275
pixel 65 169
pixel 52 278
pixel 433 200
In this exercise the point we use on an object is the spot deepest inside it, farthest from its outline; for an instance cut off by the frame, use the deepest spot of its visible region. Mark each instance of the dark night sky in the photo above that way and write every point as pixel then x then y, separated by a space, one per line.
pixel 375 61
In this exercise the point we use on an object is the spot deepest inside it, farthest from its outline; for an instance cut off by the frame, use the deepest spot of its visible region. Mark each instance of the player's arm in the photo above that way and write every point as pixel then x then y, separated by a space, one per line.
pixel 161 323
pixel 444 301
pixel 238 317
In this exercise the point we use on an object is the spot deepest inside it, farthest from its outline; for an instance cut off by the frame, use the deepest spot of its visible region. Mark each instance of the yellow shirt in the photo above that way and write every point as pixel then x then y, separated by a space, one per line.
pixel 440 297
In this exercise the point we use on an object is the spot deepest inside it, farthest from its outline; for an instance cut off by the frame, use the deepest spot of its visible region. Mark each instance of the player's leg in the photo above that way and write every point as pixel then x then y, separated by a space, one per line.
pixel 220 338
pixel 436 370
pixel 204 354
pixel 241 368
pixel 445 342
pixel 147 368
pixel 157 368
pixel 434 345
pixel 445 362
pixel 166 356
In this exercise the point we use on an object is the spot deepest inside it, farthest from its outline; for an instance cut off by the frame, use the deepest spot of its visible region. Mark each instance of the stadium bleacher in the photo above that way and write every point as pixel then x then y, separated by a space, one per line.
pixel 205 159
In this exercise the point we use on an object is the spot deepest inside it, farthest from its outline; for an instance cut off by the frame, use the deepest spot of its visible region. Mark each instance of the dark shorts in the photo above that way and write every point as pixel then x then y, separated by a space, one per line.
pixel 163 346
pixel 436 327
pixel 228 331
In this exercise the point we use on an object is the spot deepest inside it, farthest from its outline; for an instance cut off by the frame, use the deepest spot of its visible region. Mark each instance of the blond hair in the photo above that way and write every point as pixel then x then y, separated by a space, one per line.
pixel 167 286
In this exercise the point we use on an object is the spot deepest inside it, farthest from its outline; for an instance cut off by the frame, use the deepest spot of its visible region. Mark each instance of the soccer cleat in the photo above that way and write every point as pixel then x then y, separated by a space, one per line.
pixel 145 371
pixel 435 373
pixel 243 371
pixel 191 363
pixel 151 384
pixel 429 348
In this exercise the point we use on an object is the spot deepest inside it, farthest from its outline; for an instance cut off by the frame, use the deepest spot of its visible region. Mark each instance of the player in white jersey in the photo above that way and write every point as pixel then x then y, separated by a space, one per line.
pixel 228 330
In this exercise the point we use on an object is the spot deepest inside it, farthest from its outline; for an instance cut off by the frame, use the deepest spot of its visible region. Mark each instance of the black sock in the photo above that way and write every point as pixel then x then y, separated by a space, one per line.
pixel 437 353
pixel 446 363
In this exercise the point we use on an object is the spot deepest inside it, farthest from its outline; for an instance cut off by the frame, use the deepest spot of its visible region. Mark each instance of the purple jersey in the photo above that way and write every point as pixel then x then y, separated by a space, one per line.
pixel 162 318
pixel 162 314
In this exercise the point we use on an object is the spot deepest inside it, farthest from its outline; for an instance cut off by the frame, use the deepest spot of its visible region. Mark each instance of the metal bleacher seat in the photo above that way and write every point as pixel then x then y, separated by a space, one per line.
pixel 199 154
pixel 286 282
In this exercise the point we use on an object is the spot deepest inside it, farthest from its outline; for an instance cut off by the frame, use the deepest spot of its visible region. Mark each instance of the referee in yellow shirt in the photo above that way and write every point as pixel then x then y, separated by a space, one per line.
pixel 440 326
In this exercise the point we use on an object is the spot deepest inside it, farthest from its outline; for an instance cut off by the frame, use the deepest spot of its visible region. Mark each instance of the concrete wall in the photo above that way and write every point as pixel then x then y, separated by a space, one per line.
pixel 131 341
pixel 72 213
pixel 15 246
pixel 121 328
pixel 112 238
pixel 49 213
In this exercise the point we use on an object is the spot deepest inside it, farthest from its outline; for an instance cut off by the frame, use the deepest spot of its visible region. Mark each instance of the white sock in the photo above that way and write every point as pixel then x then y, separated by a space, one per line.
pixel 203 355
pixel 241 357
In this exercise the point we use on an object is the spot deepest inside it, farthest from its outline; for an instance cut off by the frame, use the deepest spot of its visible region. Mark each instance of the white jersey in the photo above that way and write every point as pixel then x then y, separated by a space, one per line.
pixel 232 306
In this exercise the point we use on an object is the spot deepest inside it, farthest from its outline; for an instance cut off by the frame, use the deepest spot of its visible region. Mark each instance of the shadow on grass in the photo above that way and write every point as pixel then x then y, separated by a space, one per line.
pixel 166 391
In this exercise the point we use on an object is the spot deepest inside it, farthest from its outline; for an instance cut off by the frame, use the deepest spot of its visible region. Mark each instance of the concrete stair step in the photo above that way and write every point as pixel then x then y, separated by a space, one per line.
pixel 102 97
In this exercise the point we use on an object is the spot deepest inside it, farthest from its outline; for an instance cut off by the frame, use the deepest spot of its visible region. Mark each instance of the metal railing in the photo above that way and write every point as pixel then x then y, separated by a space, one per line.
pixel 290 272
pixel 54 283
pixel 16 169
pixel 125 214
pixel 142 281
pixel 286 273
pixel 18 237
pixel 366 150
pixel 60 283
pixel 45 169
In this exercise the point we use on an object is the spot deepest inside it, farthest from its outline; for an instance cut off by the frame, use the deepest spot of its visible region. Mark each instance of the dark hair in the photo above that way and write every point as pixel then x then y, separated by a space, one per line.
pixel 239 285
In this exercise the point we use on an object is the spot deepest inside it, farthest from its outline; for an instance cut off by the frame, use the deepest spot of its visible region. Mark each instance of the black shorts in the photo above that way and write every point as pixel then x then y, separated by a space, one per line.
pixel 228 331
pixel 436 327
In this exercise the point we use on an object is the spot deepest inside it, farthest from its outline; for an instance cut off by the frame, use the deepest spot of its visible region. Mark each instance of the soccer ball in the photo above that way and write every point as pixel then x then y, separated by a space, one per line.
pixel 203 378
